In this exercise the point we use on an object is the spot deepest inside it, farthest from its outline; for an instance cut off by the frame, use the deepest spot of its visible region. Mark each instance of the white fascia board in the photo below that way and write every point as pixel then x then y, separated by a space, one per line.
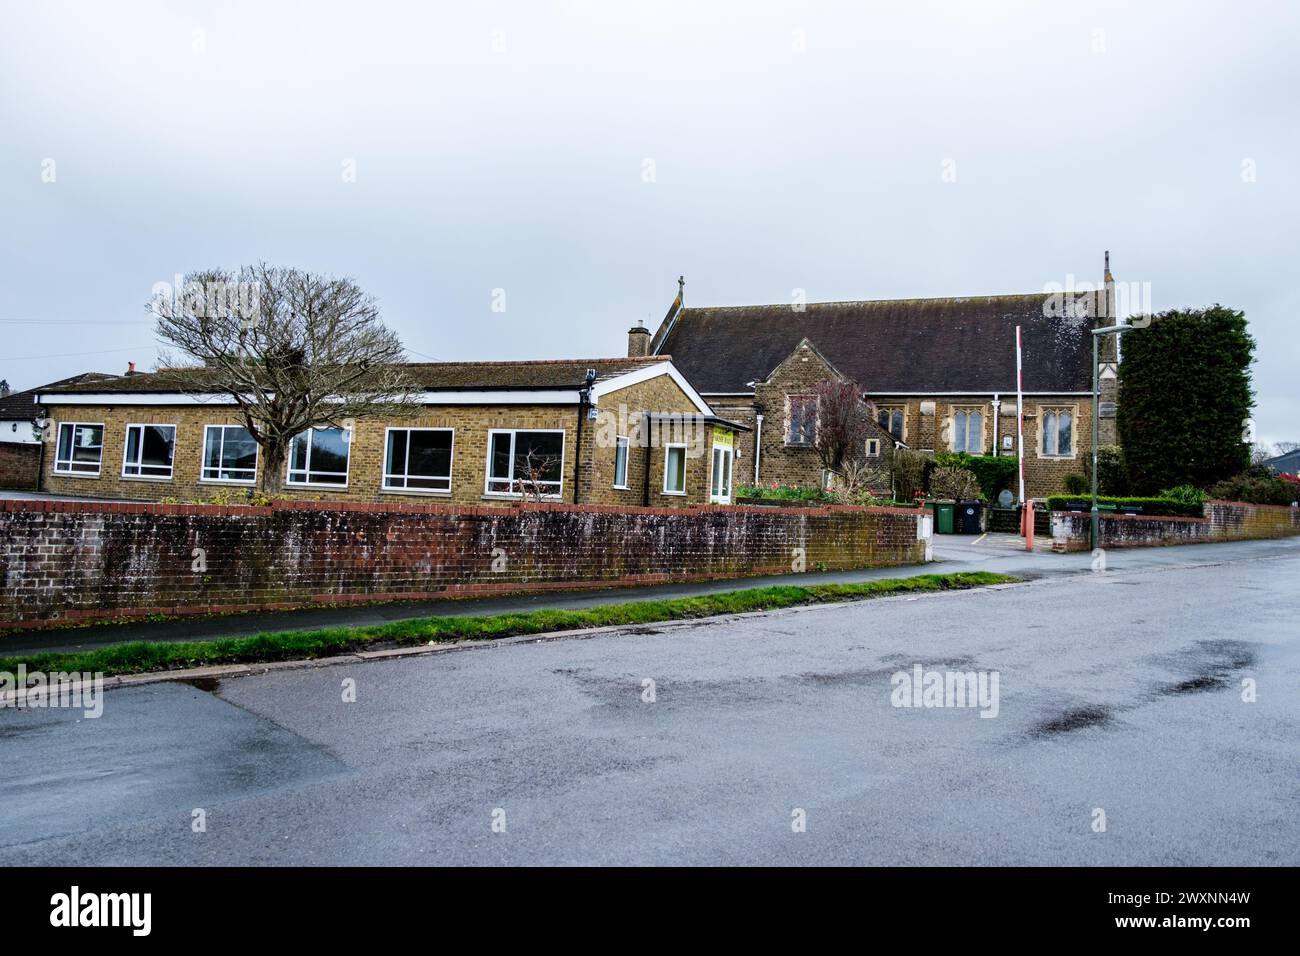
pixel 1010 391
pixel 136 398
pixel 647 373
pixel 485 397
pixel 540 396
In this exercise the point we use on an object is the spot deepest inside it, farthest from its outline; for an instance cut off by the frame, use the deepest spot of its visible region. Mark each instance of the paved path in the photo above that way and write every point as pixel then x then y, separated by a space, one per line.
pixel 1118 692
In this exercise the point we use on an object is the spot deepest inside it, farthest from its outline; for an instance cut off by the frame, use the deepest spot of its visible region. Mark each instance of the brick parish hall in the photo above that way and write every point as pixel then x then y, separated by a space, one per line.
pixel 623 431
pixel 940 373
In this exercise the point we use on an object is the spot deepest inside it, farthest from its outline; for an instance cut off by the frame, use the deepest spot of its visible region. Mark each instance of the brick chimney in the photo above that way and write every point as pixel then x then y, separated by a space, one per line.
pixel 130 368
pixel 638 341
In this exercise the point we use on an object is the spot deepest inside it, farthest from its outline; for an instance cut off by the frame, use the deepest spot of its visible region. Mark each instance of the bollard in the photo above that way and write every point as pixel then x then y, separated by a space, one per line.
pixel 1027 524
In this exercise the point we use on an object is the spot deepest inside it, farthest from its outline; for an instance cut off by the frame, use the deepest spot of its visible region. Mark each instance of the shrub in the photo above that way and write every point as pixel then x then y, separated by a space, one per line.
pixel 1256 488
pixel 783 492
pixel 1112 479
pixel 993 472
pixel 1149 506
pixel 1185 493
pixel 910 471
pixel 956 483
pixel 1076 484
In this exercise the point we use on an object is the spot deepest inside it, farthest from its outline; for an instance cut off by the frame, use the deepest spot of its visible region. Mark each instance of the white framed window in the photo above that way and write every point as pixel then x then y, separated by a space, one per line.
pixel 80 449
pixel 319 456
pixel 873 447
pixel 968 430
pixel 620 462
pixel 525 461
pixel 801 425
pixel 1058 433
pixel 418 459
pixel 229 455
pixel 674 469
pixel 891 419
pixel 148 451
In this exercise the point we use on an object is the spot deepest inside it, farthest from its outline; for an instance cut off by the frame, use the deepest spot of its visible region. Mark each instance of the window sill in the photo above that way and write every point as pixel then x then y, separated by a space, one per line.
pixel 503 496
pixel 298 484
pixel 674 494
pixel 77 474
pixel 424 492
pixel 238 482
pixel 145 478
pixel 620 487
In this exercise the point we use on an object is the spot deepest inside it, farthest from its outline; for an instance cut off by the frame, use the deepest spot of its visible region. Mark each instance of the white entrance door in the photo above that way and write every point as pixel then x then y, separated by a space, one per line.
pixel 720 490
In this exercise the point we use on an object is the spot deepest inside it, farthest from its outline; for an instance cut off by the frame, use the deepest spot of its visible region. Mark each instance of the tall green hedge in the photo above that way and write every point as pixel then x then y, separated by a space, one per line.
pixel 1184 398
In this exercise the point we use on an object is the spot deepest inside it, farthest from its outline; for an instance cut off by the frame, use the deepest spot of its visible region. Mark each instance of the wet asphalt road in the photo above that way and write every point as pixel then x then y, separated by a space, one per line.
pixel 1118 692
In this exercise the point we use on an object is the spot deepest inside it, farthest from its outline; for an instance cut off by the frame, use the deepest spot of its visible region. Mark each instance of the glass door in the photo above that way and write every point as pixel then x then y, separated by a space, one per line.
pixel 720 489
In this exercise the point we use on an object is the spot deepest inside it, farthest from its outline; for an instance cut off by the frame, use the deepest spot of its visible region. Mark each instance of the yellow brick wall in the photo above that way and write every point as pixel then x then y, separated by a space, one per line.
pixel 471 424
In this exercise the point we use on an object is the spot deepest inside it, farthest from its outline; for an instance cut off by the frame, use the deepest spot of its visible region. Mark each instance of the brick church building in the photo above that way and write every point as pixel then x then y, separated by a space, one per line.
pixel 940 373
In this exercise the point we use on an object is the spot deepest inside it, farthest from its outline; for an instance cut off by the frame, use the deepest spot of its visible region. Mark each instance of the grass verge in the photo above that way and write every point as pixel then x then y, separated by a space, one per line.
pixel 141 656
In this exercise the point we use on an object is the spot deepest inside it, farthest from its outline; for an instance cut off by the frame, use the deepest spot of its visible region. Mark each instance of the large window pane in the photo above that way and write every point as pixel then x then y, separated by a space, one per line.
pixel 537 456
pixel 148 451
pixel 319 456
pixel 525 462
pixel 419 459
pixel 79 449
pixel 229 454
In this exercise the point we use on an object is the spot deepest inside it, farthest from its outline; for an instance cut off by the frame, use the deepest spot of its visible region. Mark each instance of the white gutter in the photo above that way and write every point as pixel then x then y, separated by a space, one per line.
pixel 758 445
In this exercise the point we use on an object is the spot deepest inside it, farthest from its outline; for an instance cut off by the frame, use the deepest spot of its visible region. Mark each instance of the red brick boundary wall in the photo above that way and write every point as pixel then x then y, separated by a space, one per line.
pixel 1223 521
pixel 66 561
pixel 20 465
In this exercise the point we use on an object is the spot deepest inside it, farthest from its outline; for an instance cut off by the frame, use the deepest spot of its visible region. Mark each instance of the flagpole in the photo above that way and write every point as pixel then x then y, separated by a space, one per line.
pixel 1020 417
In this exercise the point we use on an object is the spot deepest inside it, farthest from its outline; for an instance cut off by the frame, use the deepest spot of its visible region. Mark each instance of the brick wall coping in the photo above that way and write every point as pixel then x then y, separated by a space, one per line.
pixel 1231 504
pixel 121 507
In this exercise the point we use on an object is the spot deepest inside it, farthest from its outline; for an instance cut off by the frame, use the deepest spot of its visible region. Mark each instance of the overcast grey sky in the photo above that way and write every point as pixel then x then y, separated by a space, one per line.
pixel 581 155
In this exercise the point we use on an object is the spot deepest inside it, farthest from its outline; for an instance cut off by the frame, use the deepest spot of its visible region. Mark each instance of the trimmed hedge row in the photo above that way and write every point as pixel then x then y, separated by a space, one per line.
pixel 1150 506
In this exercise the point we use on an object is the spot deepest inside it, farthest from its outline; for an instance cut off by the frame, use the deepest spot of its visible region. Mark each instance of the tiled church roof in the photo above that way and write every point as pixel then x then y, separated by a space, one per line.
pixel 893 345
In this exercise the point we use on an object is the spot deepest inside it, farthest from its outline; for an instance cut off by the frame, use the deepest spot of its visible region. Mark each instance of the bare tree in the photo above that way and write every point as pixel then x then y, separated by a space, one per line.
pixel 1283 447
pixel 1260 452
pixel 843 427
pixel 293 349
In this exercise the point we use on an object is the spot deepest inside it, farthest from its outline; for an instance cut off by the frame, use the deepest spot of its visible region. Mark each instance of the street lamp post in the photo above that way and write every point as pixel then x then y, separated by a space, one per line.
pixel 1096 419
